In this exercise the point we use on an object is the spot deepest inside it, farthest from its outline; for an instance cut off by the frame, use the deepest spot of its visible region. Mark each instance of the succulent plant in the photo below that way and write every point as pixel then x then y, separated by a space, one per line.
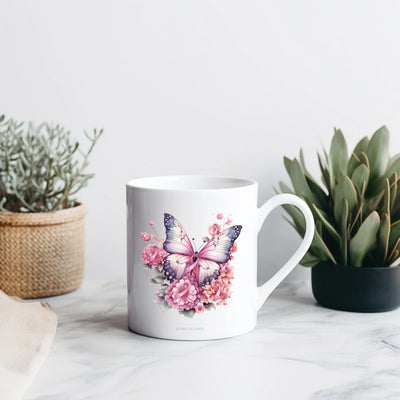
pixel 41 167
pixel 357 211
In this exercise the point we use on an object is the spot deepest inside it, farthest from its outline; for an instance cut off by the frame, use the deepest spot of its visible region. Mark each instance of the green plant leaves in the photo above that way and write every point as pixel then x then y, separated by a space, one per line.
pixel 309 260
pixel 394 234
pixel 378 152
pixel 354 216
pixel 42 168
pixel 338 155
pixel 355 160
pixel 325 223
pixel 319 248
pixel 344 190
pixel 360 178
pixel 364 240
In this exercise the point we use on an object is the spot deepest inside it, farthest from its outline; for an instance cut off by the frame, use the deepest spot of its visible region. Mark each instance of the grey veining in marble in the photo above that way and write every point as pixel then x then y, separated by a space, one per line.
pixel 298 351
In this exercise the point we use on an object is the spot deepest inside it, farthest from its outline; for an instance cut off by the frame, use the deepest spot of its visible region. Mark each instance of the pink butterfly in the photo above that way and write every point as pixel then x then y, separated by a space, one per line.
pixel 205 263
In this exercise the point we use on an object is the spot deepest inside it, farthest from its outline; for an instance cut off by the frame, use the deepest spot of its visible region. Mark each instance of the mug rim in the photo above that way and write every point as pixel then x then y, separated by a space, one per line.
pixel 190 183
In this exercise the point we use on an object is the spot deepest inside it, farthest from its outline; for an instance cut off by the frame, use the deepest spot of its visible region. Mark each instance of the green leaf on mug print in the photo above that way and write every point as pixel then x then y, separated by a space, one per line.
pixel 165 306
pixel 159 278
pixel 188 313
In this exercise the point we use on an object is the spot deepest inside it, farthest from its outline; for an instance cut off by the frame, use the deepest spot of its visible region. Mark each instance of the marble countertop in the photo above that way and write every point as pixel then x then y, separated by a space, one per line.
pixel 298 351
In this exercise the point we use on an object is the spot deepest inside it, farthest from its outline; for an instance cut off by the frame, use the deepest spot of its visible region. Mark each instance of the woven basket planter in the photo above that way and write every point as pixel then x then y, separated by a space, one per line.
pixel 42 254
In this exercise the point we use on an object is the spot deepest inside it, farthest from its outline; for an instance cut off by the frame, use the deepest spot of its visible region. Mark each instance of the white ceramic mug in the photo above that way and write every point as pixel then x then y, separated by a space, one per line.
pixel 192 255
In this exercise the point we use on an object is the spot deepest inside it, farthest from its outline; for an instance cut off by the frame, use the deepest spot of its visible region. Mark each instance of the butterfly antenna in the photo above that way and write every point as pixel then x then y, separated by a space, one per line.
pixel 194 245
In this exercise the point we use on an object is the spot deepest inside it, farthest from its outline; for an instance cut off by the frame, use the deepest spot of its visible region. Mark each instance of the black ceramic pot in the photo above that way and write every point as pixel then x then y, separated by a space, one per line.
pixel 360 289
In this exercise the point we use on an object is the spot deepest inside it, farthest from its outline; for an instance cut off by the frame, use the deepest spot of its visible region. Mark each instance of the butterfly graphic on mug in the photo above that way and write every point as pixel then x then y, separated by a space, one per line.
pixel 204 264
pixel 191 281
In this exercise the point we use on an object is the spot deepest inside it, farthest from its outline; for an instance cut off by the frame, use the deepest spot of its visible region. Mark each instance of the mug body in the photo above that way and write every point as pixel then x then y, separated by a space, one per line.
pixel 213 222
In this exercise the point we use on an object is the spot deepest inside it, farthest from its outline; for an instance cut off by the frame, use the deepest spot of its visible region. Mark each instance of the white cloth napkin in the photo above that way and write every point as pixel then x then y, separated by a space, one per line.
pixel 27 331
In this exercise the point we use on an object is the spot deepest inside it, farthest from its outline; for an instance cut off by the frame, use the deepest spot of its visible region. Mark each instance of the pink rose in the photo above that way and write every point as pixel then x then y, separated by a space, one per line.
pixel 199 308
pixel 219 290
pixel 151 223
pixel 145 236
pixel 183 294
pixel 153 255
pixel 214 229
pixel 220 216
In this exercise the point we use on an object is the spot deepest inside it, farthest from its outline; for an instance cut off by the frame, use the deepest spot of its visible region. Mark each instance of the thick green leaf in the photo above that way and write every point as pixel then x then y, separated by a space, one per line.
pixel 364 240
pixel 326 178
pixel 394 234
pixel 378 152
pixel 344 231
pixel 338 155
pixel 344 190
pixel 319 214
pixel 393 191
pixel 331 176
pixel 358 216
pixel 355 161
pixel 394 253
pixel 293 225
pixel 287 163
pixel 299 182
pixel 298 218
pixel 303 163
pixel 383 237
pixel 379 184
pixel 394 166
pixel 310 260
pixel 360 178
pixel 321 199
pixel 318 227
pixel 372 203
pixel 320 249
pixel 386 198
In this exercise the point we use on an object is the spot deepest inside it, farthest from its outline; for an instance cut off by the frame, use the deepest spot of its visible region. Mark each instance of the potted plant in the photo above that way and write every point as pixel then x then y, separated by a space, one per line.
pixel 41 222
pixel 356 247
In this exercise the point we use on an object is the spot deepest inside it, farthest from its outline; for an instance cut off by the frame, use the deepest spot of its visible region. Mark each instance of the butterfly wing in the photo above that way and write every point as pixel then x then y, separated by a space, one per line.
pixel 206 271
pixel 179 246
pixel 175 265
pixel 215 253
pixel 177 241
pixel 218 248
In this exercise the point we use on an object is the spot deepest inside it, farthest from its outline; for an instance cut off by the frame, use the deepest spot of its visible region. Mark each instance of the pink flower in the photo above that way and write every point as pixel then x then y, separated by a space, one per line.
pixel 214 229
pixel 219 290
pixel 145 236
pixel 153 255
pixel 233 248
pixel 183 294
pixel 200 308
pixel 151 223
pixel 220 216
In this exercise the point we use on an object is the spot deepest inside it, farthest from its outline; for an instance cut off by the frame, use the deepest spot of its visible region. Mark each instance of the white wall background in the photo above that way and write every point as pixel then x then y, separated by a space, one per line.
pixel 224 87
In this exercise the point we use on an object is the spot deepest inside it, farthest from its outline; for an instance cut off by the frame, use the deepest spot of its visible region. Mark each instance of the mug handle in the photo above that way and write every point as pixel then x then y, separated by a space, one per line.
pixel 265 290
